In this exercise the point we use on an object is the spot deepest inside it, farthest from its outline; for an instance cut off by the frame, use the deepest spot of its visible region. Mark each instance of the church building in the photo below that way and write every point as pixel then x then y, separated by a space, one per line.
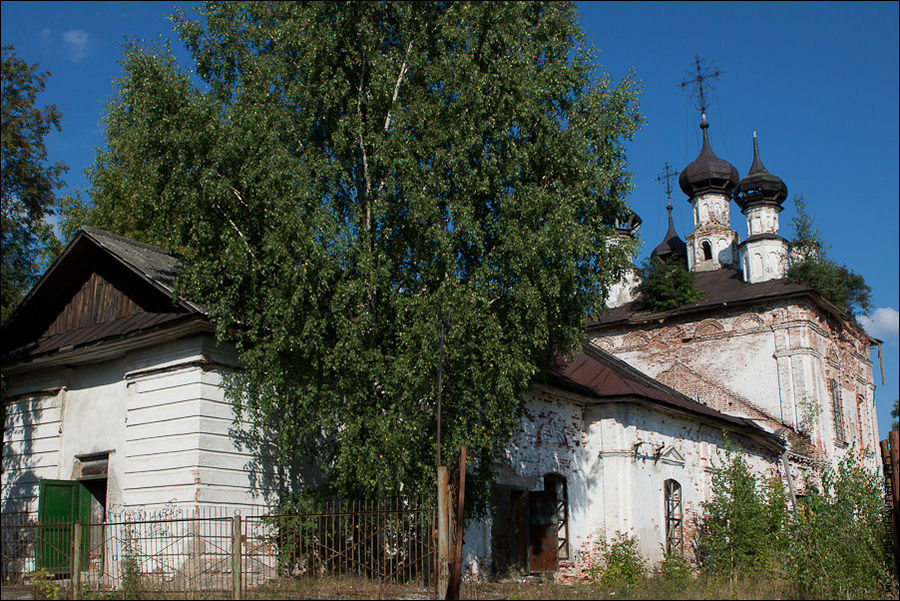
pixel 116 401
pixel 754 345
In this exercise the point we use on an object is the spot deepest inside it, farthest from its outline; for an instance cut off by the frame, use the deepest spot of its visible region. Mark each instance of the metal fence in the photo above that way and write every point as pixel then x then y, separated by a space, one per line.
pixel 214 554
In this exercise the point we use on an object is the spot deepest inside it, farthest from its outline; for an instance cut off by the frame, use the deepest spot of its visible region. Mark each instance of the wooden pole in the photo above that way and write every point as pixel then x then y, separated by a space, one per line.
pixel 443 528
pixel 456 569
pixel 236 557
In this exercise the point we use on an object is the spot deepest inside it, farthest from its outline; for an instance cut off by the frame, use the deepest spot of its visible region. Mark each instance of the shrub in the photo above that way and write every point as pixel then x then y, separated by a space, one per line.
pixel 837 536
pixel 621 565
pixel 674 569
pixel 743 526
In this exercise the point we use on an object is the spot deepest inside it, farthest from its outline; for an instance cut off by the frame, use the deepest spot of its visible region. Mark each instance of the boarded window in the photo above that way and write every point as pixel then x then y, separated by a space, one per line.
pixel 837 412
pixel 674 518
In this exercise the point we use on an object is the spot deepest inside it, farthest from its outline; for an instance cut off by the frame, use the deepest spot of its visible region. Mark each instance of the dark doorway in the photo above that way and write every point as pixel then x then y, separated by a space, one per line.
pixel 542 531
pixel 509 534
pixel 530 528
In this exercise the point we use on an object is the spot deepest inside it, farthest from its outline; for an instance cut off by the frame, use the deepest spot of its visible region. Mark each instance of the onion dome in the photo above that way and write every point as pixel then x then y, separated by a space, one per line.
pixel 759 186
pixel 628 223
pixel 671 244
pixel 708 173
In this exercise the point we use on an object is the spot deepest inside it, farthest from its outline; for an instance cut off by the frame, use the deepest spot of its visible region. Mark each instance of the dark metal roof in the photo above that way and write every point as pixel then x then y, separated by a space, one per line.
pixel 708 173
pixel 598 374
pixel 131 325
pixel 144 271
pixel 720 287
pixel 628 223
pixel 671 244
pixel 760 186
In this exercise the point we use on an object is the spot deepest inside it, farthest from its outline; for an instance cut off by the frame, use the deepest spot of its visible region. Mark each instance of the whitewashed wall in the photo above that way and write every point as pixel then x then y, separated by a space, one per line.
pixel 614 483
pixel 159 412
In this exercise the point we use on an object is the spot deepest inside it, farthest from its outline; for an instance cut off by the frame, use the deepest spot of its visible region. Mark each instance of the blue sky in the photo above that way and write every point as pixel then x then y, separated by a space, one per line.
pixel 818 82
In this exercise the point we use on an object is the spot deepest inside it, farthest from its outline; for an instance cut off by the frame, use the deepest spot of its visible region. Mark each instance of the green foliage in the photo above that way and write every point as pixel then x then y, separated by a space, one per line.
pixel 28 181
pixel 348 174
pixel 895 415
pixel 832 546
pixel 743 527
pixel 43 586
pixel 132 577
pixel 666 284
pixel 674 569
pixel 838 536
pixel 621 565
pixel 839 285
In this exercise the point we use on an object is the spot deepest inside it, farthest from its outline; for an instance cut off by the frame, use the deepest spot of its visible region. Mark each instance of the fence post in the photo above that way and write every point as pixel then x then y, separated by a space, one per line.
pixel 236 556
pixel 76 560
pixel 443 527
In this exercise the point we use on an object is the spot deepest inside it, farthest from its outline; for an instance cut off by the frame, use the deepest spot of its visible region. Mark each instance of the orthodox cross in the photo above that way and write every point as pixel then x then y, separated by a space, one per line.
pixel 701 74
pixel 665 177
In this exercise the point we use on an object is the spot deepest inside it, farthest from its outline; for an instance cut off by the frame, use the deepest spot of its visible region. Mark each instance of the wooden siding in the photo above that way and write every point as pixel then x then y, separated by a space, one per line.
pixel 97 301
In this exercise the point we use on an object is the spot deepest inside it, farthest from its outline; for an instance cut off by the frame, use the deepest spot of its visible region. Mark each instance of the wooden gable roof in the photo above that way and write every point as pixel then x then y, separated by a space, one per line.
pixel 102 286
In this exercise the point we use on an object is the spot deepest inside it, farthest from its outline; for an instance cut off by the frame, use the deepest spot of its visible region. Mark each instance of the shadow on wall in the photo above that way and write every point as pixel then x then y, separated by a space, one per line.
pixel 20 480
pixel 269 478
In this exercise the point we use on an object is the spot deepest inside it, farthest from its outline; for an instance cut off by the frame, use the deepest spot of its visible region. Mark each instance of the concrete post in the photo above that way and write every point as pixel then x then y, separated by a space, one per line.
pixel 76 560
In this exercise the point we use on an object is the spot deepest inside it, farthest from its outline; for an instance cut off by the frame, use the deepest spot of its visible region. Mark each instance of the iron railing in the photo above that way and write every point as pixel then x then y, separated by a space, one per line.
pixel 221 553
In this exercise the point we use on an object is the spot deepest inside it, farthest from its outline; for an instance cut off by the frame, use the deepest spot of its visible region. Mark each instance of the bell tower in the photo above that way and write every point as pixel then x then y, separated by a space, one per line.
pixel 764 254
pixel 708 183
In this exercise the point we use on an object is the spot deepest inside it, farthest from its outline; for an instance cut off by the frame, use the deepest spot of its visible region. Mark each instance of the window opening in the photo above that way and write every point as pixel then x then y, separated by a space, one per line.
pixel 707 250
pixel 837 413
pixel 674 518
pixel 557 484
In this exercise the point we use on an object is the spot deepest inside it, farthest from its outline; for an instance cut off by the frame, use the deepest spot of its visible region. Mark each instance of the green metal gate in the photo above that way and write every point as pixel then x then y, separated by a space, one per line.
pixel 60 505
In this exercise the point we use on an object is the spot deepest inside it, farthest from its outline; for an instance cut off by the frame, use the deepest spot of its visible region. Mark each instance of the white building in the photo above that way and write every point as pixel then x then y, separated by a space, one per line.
pixel 115 401
pixel 114 392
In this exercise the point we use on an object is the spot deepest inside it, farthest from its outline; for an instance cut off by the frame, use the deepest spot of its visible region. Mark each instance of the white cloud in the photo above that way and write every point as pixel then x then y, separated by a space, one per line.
pixel 78 43
pixel 883 324
pixel 74 43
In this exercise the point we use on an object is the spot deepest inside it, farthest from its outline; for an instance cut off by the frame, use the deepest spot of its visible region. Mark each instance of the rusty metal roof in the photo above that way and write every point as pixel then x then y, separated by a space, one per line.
pixel 598 374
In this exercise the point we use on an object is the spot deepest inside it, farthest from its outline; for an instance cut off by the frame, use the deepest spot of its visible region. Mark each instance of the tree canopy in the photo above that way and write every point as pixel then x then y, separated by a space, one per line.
pixel 28 180
pixel 811 267
pixel 347 174
pixel 666 284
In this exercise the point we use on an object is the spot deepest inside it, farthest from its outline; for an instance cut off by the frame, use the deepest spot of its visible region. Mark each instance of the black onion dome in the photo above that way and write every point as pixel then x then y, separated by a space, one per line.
pixel 759 186
pixel 627 223
pixel 671 244
pixel 708 173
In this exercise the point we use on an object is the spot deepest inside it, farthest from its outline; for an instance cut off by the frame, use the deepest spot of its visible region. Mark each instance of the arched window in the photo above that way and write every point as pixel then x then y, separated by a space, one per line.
pixel 707 250
pixel 674 518
pixel 837 412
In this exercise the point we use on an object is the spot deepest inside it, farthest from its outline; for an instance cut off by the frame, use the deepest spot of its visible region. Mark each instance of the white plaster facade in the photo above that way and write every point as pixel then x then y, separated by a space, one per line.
pixel 156 408
pixel 772 362
pixel 615 455
pixel 711 227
